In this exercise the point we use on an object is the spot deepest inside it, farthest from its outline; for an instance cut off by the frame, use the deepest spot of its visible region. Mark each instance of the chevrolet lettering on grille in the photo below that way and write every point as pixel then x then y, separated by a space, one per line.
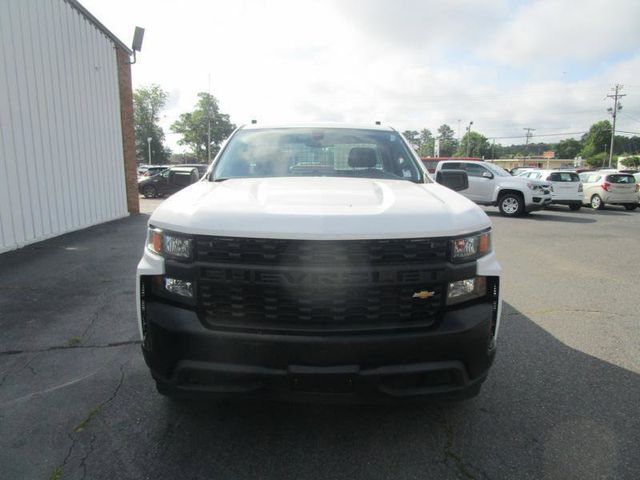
pixel 319 278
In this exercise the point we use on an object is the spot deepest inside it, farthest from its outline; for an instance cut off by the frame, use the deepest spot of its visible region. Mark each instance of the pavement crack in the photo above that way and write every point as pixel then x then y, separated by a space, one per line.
pixel 97 410
pixel 83 461
pixel 70 347
pixel 74 435
pixel 449 454
pixel 57 472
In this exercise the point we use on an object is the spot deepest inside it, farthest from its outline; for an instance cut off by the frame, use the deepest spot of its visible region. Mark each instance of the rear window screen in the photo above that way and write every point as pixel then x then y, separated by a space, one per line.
pixel 621 179
pixel 564 177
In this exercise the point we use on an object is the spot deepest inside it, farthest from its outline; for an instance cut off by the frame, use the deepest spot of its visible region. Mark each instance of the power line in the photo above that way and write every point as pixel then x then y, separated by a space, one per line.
pixel 629 116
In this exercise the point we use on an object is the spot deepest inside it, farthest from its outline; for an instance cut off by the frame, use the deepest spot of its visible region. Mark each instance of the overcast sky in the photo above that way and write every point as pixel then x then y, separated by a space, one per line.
pixel 546 64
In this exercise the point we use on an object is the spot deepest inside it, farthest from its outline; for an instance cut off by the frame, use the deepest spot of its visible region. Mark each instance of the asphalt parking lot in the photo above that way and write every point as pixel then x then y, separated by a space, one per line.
pixel 562 400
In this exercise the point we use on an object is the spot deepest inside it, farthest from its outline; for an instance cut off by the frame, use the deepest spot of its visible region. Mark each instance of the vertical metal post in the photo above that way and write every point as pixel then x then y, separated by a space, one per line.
pixel 614 114
pixel 209 122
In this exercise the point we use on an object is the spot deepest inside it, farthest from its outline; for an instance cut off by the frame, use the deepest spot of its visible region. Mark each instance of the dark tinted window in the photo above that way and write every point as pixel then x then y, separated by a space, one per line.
pixel 451 166
pixel 473 169
pixel 564 177
pixel 155 170
pixel 620 179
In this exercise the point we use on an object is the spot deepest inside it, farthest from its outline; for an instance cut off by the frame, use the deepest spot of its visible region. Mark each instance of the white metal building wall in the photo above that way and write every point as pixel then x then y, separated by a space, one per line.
pixel 61 157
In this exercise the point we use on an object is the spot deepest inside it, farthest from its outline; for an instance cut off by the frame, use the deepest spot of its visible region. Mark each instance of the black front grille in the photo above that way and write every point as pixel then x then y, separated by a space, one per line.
pixel 257 251
pixel 319 285
pixel 309 307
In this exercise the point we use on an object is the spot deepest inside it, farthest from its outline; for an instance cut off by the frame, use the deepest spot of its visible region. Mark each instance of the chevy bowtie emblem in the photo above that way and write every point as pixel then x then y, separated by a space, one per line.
pixel 424 294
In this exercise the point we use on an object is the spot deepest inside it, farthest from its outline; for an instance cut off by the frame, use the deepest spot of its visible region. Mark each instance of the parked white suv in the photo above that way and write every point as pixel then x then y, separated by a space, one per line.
pixel 493 185
pixel 319 260
pixel 567 187
pixel 601 188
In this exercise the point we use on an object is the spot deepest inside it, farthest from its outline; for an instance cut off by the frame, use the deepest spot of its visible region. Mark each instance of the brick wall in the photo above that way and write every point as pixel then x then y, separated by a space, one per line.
pixel 128 133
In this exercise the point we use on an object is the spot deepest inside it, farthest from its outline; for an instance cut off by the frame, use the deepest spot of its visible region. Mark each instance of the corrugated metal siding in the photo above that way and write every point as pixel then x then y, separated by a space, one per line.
pixel 61 159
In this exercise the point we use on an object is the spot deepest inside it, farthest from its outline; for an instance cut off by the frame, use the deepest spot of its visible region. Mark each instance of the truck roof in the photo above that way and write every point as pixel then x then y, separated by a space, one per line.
pixel 371 126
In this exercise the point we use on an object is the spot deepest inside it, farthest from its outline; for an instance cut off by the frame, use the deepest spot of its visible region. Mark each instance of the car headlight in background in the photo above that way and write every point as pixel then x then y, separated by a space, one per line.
pixel 465 290
pixel 539 188
pixel 470 248
pixel 169 244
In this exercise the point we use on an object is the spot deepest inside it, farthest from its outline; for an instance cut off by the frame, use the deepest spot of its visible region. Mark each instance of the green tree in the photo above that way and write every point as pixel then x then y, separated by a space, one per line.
pixel 596 139
pixel 148 102
pixel 427 142
pixel 632 162
pixel 194 127
pixel 413 137
pixel 598 160
pixel 448 142
pixel 569 148
pixel 478 146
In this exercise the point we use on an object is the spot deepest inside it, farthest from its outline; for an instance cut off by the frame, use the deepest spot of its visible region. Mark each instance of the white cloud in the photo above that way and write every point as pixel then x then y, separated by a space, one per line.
pixel 411 63
pixel 551 31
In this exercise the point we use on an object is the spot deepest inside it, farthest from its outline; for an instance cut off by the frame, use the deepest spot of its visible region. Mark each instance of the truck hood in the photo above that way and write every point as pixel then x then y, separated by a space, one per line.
pixel 319 208
pixel 524 181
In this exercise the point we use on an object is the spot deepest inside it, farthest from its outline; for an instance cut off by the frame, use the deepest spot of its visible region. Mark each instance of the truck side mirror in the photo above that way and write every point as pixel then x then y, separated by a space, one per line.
pixel 487 174
pixel 456 180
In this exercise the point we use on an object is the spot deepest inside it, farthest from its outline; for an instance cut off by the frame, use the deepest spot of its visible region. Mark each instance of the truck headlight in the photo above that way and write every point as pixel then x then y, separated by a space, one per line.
pixel 470 248
pixel 464 290
pixel 169 244
pixel 535 188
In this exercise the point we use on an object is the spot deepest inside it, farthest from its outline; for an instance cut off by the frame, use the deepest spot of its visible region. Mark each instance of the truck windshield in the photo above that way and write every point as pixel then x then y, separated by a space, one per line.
pixel 317 152
pixel 496 170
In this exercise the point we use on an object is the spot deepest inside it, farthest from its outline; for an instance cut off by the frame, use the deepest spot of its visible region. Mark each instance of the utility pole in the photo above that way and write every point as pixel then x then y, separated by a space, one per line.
pixel 469 138
pixel 526 143
pixel 149 146
pixel 209 122
pixel 459 120
pixel 614 114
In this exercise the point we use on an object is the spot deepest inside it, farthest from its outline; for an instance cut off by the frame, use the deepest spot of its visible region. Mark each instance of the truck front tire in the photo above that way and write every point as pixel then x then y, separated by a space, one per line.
pixel 511 204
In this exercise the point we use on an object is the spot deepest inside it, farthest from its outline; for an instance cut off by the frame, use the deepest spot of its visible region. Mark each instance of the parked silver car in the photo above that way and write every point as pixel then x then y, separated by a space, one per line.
pixel 602 188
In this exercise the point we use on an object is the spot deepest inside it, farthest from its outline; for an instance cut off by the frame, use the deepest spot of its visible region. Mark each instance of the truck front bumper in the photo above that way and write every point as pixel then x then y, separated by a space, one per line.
pixel 538 202
pixel 449 360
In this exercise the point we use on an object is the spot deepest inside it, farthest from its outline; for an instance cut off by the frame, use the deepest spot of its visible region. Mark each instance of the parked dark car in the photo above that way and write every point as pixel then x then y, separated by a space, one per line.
pixel 152 170
pixel 169 181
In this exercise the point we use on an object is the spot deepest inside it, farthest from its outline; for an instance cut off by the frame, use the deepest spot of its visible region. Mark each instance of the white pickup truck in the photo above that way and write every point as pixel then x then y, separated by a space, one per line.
pixel 492 185
pixel 319 261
